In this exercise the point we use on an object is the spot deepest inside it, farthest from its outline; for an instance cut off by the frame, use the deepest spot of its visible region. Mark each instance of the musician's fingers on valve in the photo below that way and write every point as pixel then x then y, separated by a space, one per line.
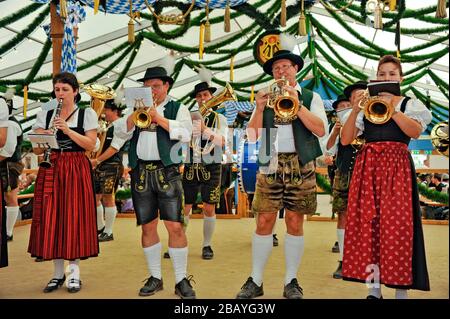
pixel 356 98
pixel 261 98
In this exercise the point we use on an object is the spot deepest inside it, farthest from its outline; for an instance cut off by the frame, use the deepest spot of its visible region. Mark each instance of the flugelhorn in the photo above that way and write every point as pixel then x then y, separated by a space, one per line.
pixel 141 117
pixel 284 105
pixel 376 109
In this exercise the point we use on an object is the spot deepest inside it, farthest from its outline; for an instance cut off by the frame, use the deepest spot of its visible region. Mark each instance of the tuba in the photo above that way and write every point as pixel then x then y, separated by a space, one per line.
pixel 439 137
pixel 284 105
pixel 226 95
pixel 376 109
pixel 99 94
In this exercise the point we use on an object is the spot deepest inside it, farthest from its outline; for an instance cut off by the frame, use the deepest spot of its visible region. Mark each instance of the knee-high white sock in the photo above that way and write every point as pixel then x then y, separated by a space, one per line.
pixel 11 216
pixel 375 292
pixel 294 247
pixel 153 257
pixel 401 294
pixel 209 223
pixel 110 217
pixel 179 262
pixel 274 225
pixel 340 237
pixel 100 219
pixel 58 271
pixel 74 273
pixel 261 250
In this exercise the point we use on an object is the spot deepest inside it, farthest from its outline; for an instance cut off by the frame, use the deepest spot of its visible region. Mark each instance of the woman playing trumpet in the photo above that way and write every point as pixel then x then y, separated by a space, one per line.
pixel 64 223
pixel 383 235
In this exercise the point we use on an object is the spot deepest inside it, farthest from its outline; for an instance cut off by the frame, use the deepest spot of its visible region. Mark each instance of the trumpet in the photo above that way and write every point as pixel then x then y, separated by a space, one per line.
pixel 376 109
pixel 141 118
pixel 284 105
pixel 46 163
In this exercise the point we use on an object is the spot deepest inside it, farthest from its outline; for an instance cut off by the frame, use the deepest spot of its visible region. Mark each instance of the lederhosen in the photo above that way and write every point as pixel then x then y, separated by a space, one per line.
pixel 345 159
pixel 12 167
pixel 384 228
pixel 293 185
pixel 156 186
pixel 107 175
pixel 203 176
pixel 64 222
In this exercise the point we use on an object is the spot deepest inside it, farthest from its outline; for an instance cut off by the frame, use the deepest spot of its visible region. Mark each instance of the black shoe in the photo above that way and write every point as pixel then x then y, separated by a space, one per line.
pixel 292 290
pixel 105 237
pixel 373 297
pixel 100 231
pixel 9 238
pixel 250 290
pixel 207 253
pixel 54 284
pixel 335 248
pixel 74 285
pixel 152 286
pixel 39 259
pixel 275 240
pixel 184 289
pixel 167 255
pixel 338 273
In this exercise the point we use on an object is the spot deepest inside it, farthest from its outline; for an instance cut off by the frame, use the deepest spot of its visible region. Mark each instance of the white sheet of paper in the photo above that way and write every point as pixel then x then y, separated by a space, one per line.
pixel 138 97
pixel 43 140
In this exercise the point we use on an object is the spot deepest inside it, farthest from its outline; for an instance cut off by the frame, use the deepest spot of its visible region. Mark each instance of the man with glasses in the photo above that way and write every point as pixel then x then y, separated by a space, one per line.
pixel 156 187
pixel 287 173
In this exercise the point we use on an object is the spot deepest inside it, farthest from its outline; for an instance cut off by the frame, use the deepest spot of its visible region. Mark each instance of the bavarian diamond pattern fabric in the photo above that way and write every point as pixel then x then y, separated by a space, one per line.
pixel 120 6
pixel 218 4
pixel 233 108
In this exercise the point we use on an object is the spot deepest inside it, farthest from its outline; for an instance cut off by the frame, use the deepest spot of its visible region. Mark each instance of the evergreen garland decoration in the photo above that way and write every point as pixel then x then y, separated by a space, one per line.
pixel 423 65
pixel 335 64
pixel 426 45
pixel 26 32
pixel 433 194
pixel 19 14
pixel 360 74
pixel 433 103
pixel 414 78
pixel 438 80
pixel 39 61
pixel 113 64
pixel 179 31
pixel 135 50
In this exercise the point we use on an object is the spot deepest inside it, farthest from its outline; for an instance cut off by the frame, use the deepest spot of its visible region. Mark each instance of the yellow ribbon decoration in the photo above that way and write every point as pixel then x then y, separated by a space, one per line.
pixel 252 95
pixel 202 40
pixel 25 101
pixel 96 6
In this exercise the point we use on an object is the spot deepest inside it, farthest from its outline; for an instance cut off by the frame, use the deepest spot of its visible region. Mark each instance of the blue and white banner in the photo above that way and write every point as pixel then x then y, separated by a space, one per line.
pixel 218 4
pixel 233 108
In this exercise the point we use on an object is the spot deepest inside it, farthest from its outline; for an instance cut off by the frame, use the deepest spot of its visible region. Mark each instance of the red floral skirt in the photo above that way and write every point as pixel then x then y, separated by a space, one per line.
pixel 64 222
pixel 381 224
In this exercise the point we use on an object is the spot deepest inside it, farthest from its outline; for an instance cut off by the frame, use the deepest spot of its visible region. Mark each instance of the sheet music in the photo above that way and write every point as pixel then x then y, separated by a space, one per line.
pixel 43 140
pixel 138 97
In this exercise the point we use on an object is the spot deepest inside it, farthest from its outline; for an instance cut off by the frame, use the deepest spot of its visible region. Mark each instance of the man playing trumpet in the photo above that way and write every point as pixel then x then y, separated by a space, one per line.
pixel 287 171
pixel 156 188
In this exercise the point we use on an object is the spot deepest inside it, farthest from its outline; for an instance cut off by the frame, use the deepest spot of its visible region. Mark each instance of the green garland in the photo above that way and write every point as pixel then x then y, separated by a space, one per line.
pixel 39 62
pixel 179 31
pixel 423 65
pixel 19 14
pixel 28 30
pixel 135 48
pixel 337 65
pixel 433 195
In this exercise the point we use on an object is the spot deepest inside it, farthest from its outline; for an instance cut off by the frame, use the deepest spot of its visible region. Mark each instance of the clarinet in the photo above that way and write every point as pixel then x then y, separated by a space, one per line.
pixel 46 163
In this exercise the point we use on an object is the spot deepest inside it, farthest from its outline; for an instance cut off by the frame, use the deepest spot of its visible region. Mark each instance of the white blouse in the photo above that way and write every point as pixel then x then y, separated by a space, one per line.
pixel 4 113
pixel 90 120
pixel 415 110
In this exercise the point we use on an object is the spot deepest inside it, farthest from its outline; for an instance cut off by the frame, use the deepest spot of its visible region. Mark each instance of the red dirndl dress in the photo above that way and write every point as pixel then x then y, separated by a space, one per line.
pixel 64 224
pixel 383 235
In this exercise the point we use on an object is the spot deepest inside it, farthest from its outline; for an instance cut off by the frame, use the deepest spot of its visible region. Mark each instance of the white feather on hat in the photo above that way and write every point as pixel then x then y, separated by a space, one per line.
pixel 204 74
pixel 287 42
pixel 9 94
pixel 168 63
pixel 120 94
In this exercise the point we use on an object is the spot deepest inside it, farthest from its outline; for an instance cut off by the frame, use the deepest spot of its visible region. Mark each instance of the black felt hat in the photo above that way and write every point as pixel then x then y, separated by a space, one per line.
pixel 283 54
pixel 360 85
pixel 157 72
pixel 202 86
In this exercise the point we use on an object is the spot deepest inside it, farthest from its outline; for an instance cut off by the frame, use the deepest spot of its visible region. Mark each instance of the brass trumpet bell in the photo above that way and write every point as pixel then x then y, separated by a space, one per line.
pixel 284 105
pixel 376 110
pixel 141 118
